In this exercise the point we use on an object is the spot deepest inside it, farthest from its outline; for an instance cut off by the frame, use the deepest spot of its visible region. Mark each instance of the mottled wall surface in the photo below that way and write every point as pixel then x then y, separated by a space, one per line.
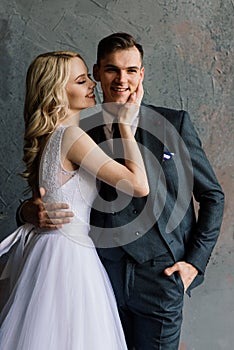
pixel 189 65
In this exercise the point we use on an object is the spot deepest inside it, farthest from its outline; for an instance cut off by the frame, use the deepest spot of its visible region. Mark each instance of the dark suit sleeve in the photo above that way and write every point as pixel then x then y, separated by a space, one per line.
pixel 18 217
pixel 208 193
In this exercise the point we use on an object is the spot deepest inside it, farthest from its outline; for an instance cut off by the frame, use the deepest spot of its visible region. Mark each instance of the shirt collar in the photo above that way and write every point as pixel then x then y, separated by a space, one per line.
pixel 108 119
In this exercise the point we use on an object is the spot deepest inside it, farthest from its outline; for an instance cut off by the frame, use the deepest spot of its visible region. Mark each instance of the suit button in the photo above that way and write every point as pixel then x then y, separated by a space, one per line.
pixel 134 211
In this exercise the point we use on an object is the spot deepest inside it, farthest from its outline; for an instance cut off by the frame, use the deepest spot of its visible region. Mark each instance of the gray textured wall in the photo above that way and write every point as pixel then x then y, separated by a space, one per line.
pixel 189 58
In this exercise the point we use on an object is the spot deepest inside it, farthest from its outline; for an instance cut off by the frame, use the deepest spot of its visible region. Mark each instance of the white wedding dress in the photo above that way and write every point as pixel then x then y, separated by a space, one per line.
pixel 61 296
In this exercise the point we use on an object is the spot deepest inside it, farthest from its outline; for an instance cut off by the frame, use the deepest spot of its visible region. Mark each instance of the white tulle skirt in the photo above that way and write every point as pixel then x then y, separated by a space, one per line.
pixel 61 300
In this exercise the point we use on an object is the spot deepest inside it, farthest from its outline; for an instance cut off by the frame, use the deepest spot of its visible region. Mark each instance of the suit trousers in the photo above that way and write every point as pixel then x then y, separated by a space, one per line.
pixel 149 302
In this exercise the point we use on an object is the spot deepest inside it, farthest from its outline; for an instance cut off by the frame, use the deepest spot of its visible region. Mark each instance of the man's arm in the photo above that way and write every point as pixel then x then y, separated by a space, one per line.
pixel 210 197
pixel 208 193
pixel 43 215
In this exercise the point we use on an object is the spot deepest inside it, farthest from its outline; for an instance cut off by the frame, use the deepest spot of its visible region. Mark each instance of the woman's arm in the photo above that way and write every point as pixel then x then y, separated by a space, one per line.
pixel 78 148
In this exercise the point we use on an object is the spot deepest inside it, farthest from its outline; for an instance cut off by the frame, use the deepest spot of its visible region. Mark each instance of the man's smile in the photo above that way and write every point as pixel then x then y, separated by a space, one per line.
pixel 119 89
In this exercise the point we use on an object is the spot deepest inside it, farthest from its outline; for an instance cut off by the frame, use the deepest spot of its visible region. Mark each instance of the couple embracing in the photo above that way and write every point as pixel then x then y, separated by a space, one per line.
pixel 106 251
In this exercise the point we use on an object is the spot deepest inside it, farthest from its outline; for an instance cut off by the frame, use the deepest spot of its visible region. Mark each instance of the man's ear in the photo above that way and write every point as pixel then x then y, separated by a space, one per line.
pixel 142 73
pixel 96 74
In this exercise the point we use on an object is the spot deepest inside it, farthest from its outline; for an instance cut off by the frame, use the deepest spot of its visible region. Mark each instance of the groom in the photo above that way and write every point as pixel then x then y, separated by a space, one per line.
pixel 153 248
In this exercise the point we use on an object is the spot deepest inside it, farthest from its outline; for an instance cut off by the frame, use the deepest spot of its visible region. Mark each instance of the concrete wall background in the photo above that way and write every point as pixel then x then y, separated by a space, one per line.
pixel 189 64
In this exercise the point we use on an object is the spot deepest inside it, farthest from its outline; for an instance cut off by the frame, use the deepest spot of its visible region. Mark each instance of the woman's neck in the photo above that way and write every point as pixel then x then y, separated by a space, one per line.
pixel 71 120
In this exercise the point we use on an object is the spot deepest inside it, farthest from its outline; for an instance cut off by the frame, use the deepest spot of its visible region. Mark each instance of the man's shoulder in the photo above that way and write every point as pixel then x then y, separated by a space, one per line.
pixel 174 116
pixel 167 112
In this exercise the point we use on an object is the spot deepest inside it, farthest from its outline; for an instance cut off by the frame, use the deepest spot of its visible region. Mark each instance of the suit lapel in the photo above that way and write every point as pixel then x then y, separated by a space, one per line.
pixel 152 135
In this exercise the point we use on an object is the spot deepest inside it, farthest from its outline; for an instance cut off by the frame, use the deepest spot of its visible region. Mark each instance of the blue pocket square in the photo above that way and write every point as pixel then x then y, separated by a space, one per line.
pixel 168 155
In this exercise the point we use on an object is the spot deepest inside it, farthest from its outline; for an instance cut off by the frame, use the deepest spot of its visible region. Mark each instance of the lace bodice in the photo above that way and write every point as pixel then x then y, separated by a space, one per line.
pixel 77 188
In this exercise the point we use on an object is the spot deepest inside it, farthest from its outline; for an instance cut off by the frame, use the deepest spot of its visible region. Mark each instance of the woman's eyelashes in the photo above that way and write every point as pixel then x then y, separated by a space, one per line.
pixel 83 81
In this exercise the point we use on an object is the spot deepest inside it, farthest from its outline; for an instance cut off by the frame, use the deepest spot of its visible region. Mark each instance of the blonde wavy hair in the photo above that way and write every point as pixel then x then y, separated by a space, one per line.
pixel 46 105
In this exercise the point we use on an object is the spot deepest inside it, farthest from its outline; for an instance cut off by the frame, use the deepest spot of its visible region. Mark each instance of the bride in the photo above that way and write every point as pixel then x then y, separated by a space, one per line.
pixel 61 297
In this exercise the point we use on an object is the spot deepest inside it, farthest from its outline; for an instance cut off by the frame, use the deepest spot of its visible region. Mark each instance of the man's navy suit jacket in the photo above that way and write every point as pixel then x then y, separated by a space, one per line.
pixel 175 183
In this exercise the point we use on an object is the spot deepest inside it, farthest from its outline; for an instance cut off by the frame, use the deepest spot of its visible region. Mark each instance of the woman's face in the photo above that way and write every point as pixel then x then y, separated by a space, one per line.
pixel 80 87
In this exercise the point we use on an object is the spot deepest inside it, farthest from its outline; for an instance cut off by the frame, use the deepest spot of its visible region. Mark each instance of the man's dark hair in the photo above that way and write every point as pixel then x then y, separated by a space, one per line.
pixel 115 42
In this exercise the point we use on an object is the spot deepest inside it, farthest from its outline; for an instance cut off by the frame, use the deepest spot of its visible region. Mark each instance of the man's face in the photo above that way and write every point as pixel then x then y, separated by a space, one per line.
pixel 119 74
